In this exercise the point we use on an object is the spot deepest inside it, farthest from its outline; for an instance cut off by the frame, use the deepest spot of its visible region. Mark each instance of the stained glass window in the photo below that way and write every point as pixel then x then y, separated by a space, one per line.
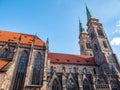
pixel 36 78
pixel 21 71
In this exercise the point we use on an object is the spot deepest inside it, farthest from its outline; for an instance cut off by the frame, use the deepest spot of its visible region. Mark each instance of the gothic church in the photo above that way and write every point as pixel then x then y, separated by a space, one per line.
pixel 27 64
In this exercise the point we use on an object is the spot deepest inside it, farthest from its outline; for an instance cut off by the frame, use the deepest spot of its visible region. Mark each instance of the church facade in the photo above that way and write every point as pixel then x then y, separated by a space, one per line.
pixel 27 64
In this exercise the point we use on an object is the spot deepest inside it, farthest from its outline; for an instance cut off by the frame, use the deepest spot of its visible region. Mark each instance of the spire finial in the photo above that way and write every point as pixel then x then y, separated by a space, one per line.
pixel 47 44
pixel 47 41
pixel 81 29
pixel 89 14
pixel 19 39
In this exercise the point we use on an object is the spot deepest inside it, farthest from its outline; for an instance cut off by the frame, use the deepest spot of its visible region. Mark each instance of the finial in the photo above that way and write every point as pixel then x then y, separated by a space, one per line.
pixel 89 14
pixel 20 37
pixel 47 41
pixel 81 29
pixel 47 44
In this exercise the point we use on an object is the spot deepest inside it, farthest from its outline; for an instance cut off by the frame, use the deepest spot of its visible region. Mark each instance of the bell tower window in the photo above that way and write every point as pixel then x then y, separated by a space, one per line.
pixel 88 45
pixel 100 33
pixel 105 44
pixel 92 35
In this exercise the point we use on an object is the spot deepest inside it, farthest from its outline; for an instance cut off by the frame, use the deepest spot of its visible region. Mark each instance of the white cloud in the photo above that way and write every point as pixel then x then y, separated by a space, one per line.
pixel 117 28
pixel 115 41
pixel 116 31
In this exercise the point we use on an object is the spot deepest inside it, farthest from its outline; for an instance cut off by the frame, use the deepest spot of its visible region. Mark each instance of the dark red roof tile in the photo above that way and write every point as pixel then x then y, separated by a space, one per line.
pixel 14 37
pixel 71 59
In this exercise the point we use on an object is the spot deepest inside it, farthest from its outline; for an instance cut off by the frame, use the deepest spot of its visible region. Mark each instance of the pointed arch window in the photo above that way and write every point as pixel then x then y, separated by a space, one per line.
pixel 71 85
pixel 100 33
pixel 74 70
pixel 56 85
pixel 21 71
pixel 88 45
pixel 63 69
pixel 5 53
pixel 85 70
pixel 37 75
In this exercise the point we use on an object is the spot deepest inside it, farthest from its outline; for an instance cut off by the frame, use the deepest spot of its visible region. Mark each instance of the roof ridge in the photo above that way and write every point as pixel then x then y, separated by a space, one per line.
pixel 69 54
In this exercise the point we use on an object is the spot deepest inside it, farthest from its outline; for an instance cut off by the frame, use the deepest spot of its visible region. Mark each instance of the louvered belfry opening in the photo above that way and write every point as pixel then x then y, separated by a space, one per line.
pixel 21 71
pixel 37 76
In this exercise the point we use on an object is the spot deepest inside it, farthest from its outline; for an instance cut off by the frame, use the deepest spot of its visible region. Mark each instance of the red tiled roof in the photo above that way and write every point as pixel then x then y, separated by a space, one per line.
pixel 71 59
pixel 25 38
pixel 3 63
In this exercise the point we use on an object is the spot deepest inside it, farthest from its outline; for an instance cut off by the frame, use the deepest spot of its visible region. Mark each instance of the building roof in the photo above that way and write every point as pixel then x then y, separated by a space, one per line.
pixel 25 38
pixel 71 59
pixel 3 63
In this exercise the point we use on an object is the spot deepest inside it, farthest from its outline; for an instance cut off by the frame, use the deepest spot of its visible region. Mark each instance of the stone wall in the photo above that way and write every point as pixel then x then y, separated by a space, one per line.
pixel 2 75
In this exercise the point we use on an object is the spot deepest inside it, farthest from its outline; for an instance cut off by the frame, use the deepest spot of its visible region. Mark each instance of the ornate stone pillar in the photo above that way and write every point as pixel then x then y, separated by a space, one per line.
pixel 94 81
pixel 108 79
pixel 80 81
pixel 64 85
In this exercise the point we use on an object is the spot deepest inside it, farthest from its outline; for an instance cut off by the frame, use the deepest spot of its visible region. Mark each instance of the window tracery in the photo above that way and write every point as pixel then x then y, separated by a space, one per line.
pixel 21 71
pixel 71 85
pixel 37 77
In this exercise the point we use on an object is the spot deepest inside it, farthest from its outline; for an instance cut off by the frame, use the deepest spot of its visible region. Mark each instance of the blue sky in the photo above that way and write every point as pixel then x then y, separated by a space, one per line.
pixel 58 20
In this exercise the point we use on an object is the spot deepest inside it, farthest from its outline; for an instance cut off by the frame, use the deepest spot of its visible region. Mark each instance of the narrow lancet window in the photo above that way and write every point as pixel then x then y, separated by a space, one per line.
pixel 4 53
pixel 36 78
pixel 21 71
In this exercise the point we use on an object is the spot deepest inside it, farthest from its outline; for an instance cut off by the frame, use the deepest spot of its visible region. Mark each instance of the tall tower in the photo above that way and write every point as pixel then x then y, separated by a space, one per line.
pixel 84 41
pixel 102 50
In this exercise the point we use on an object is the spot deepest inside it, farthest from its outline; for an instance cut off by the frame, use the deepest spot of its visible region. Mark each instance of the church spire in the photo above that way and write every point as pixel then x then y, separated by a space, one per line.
pixel 81 29
pixel 89 14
